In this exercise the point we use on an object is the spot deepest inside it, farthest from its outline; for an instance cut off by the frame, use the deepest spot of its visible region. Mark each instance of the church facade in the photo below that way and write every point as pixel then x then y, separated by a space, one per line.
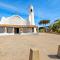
pixel 16 24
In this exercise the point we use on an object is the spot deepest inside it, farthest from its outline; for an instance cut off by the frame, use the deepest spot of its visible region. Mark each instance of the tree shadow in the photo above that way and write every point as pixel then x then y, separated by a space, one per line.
pixel 53 56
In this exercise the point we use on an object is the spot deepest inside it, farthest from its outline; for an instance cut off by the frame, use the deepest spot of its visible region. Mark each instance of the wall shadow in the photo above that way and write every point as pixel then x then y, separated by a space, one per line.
pixel 53 56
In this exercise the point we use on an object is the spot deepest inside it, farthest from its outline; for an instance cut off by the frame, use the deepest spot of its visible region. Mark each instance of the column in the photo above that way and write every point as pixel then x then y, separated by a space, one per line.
pixel 19 30
pixel 35 31
pixel 5 29
pixel 13 30
pixel 34 54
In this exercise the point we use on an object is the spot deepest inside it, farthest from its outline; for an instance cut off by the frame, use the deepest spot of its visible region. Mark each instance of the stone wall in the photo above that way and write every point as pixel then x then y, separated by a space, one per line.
pixel 2 29
pixel 9 29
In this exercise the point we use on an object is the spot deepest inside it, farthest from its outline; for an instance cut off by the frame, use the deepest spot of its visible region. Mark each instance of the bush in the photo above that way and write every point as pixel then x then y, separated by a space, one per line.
pixel 58 30
pixel 42 30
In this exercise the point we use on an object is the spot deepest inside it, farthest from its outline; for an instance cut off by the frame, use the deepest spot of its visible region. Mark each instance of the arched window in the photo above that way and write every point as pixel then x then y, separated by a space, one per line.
pixel 31 10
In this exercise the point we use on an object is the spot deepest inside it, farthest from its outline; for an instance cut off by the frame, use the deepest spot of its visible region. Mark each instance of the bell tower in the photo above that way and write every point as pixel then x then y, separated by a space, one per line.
pixel 31 15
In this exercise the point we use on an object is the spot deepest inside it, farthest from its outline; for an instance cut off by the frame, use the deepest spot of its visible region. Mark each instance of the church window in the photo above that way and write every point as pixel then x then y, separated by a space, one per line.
pixel 31 10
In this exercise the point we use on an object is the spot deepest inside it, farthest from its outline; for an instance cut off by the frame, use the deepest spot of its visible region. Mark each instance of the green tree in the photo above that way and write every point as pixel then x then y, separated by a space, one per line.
pixel 57 23
pixel 44 22
pixel 55 26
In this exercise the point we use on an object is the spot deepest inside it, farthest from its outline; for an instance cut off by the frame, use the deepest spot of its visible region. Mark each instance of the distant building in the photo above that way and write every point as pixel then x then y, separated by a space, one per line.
pixel 16 24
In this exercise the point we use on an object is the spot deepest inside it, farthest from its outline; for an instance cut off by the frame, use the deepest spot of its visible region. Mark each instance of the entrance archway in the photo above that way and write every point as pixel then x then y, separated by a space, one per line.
pixel 16 30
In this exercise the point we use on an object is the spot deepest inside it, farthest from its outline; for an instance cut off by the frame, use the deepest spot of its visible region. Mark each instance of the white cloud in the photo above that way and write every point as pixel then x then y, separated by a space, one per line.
pixel 9 7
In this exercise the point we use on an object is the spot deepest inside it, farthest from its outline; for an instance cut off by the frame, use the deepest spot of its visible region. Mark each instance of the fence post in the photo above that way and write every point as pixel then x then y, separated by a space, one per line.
pixel 58 51
pixel 34 54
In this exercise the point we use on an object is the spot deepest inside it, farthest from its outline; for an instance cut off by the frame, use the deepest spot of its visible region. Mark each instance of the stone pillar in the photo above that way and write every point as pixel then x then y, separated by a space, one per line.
pixel 13 30
pixel 19 30
pixel 35 31
pixel 58 51
pixel 34 54
pixel 5 29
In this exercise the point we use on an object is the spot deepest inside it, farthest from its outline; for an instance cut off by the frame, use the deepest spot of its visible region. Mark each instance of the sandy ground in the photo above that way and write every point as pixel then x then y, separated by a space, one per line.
pixel 17 47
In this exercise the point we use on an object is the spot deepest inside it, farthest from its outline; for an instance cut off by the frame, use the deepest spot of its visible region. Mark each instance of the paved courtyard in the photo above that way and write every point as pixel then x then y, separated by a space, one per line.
pixel 16 47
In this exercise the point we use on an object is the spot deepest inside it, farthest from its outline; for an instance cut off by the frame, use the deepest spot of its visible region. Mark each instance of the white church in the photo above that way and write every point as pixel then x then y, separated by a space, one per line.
pixel 17 25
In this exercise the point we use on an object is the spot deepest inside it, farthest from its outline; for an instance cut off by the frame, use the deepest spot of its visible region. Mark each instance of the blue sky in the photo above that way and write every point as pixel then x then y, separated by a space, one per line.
pixel 44 9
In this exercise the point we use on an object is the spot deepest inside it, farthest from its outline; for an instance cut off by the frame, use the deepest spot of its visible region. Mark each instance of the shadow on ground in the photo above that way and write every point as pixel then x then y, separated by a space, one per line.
pixel 53 57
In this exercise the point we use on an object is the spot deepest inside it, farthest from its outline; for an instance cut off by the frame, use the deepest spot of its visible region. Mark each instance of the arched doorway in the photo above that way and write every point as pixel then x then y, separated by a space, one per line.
pixel 16 30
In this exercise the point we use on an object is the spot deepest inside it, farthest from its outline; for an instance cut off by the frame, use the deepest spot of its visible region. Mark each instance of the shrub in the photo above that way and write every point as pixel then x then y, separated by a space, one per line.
pixel 58 30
